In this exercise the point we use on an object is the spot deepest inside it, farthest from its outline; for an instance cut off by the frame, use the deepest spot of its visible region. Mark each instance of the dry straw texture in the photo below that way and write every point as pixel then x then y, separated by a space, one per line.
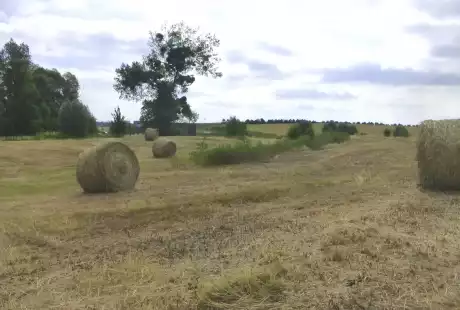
pixel 108 167
pixel 438 155
pixel 151 134
pixel 163 148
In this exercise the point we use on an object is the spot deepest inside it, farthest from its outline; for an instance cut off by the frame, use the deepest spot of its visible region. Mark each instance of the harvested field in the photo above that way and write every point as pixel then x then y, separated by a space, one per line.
pixel 340 228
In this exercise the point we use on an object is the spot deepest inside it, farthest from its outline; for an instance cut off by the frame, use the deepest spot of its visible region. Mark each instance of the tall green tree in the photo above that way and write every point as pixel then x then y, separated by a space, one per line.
pixel 163 77
pixel 50 85
pixel 19 96
pixel 118 125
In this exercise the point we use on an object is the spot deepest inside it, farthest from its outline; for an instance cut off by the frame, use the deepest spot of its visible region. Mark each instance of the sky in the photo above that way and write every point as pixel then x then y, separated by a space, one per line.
pixel 392 61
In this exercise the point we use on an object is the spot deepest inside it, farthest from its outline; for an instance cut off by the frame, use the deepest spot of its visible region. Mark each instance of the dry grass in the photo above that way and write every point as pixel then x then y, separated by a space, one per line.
pixel 438 155
pixel 341 228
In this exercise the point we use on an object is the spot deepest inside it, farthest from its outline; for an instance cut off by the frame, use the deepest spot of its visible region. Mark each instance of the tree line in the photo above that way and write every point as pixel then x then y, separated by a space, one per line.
pixel 31 96
pixel 36 99
pixel 292 121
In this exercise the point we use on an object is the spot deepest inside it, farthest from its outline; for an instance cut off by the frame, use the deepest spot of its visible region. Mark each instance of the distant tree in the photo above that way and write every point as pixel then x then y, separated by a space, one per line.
pixel 235 128
pixel 118 126
pixel 165 74
pixel 75 120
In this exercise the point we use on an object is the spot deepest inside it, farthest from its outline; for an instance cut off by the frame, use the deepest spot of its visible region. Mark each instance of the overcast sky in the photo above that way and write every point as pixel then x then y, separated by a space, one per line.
pixel 356 60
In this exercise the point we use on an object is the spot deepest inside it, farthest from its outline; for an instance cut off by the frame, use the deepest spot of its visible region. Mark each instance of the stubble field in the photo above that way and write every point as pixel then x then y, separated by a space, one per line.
pixel 340 228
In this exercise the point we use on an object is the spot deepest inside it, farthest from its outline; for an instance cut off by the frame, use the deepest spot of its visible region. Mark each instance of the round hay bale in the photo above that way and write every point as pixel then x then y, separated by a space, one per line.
pixel 151 134
pixel 438 155
pixel 163 148
pixel 108 167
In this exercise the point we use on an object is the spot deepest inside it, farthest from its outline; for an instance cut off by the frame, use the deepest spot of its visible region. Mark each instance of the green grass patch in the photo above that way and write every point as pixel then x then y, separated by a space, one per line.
pixel 244 150
pixel 39 183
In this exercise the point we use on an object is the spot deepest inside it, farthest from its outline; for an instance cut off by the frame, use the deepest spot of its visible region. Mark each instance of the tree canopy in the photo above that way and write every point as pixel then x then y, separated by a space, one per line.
pixel 163 76
pixel 30 95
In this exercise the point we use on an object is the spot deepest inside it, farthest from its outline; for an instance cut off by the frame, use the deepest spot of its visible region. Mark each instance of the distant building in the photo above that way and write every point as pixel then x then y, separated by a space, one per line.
pixel 180 129
pixel 185 129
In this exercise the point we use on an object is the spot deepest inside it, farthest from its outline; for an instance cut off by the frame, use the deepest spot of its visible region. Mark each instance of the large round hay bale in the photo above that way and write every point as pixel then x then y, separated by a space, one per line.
pixel 163 148
pixel 438 155
pixel 108 167
pixel 151 134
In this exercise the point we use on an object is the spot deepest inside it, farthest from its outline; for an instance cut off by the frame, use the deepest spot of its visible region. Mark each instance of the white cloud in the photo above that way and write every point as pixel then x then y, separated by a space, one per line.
pixel 319 34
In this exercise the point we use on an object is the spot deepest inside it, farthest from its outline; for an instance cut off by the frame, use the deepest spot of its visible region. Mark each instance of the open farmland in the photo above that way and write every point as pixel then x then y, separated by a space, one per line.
pixel 281 129
pixel 340 228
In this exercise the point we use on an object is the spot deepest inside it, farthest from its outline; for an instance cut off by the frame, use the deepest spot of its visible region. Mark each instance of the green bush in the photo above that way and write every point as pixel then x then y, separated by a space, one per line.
pixel 75 120
pixel 387 132
pixel 301 129
pixel 246 151
pixel 401 131
pixel 235 128
pixel 240 152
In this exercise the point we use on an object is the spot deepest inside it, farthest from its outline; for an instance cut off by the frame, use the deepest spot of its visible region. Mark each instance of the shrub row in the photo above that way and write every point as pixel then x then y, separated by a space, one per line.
pixel 236 153
pixel 247 151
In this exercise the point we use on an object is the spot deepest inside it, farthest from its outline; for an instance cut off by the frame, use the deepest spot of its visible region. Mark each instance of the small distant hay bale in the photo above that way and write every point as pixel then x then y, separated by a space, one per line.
pixel 438 155
pixel 108 167
pixel 164 148
pixel 151 134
